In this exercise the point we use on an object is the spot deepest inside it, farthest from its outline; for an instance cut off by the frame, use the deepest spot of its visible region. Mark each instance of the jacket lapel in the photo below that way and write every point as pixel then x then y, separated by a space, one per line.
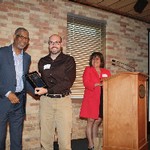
pixel 95 73
pixel 11 61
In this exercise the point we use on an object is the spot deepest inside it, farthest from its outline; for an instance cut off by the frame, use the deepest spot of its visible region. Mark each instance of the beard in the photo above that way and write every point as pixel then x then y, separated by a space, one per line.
pixel 20 45
pixel 55 50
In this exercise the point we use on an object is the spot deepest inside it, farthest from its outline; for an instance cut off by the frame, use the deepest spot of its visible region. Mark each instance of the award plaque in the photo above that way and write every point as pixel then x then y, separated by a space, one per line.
pixel 35 79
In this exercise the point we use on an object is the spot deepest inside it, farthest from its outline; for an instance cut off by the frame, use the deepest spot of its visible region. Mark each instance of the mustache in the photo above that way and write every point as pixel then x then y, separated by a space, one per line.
pixel 54 47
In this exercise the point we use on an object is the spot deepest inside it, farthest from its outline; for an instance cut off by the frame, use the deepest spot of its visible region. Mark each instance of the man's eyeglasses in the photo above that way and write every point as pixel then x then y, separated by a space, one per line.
pixel 22 37
pixel 54 43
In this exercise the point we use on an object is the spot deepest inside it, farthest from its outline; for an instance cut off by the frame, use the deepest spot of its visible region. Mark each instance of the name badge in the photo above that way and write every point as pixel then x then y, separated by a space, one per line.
pixel 104 75
pixel 47 66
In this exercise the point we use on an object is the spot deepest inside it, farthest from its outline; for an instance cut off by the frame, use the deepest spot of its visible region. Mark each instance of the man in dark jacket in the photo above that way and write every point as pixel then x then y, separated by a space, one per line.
pixel 14 65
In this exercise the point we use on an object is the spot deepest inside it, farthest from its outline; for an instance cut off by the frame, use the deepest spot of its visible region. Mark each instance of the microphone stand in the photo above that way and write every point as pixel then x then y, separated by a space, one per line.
pixel 123 65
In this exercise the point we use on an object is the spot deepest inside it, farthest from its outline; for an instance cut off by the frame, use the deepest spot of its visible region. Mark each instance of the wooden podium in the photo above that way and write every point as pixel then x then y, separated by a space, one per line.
pixel 125 112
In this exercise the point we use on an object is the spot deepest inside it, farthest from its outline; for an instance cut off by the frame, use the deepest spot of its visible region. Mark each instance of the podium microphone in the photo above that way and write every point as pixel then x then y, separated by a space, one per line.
pixel 123 65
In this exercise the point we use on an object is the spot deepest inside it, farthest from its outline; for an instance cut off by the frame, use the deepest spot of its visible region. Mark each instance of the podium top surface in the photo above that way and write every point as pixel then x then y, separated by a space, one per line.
pixel 127 73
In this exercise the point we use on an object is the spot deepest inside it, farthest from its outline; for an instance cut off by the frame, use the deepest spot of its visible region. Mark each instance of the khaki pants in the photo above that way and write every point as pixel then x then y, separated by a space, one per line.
pixel 56 113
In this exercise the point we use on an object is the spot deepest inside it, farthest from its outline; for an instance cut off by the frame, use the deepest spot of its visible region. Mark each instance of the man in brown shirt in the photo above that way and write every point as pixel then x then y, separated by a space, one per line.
pixel 58 70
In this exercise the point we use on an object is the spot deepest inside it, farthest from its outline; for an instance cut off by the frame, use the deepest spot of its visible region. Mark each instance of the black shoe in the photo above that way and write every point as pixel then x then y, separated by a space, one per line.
pixel 91 148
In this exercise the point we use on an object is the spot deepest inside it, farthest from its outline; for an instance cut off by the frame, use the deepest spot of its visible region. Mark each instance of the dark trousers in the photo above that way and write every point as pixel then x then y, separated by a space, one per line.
pixel 14 118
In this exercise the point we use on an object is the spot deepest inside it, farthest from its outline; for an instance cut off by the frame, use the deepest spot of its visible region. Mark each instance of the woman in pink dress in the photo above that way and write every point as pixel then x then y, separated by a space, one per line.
pixel 91 108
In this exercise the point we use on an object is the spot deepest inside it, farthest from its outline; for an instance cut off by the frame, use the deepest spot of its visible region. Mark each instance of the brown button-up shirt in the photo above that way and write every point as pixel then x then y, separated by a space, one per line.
pixel 59 74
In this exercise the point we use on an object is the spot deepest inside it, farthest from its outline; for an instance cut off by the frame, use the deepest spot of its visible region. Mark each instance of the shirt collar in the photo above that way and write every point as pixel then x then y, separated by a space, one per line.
pixel 59 56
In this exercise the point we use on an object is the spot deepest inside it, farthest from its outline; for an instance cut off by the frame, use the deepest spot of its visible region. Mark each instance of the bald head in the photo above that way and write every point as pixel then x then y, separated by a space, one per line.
pixel 57 36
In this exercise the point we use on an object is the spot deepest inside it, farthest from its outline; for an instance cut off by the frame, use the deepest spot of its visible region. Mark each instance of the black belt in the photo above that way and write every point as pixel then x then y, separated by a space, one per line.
pixel 18 93
pixel 56 95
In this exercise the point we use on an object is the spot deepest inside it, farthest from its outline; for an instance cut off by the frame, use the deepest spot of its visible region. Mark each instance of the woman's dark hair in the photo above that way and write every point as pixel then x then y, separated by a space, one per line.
pixel 100 55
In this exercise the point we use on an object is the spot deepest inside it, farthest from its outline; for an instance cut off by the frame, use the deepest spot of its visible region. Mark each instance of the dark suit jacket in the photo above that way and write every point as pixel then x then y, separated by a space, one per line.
pixel 8 76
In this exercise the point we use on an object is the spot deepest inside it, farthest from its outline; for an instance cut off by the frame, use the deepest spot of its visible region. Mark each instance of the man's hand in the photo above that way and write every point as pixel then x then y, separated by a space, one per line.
pixel 13 98
pixel 40 91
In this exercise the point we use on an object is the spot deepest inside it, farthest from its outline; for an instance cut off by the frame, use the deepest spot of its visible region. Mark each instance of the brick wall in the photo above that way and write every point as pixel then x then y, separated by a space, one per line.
pixel 126 40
